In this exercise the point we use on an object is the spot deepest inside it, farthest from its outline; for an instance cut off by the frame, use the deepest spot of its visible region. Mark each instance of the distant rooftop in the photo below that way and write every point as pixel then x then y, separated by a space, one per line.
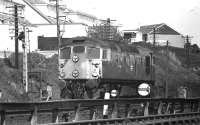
pixel 148 28
pixel 161 28
pixel 6 18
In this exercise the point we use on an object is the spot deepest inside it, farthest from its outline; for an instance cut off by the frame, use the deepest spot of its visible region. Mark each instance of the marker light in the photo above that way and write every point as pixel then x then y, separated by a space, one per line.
pixel 62 74
pixel 144 89
pixel 95 74
pixel 75 58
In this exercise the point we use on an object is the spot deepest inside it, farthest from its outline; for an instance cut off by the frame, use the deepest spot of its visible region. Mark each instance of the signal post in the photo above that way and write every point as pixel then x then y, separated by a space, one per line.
pixel 22 37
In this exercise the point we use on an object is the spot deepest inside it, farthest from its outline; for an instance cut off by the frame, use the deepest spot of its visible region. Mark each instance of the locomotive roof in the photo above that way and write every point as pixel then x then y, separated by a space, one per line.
pixel 119 46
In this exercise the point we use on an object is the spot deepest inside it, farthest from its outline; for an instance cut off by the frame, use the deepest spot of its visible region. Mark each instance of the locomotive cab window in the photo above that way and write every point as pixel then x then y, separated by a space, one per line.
pixel 78 49
pixel 105 54
pixel 93 53
pixel 154 60
pixel 65 53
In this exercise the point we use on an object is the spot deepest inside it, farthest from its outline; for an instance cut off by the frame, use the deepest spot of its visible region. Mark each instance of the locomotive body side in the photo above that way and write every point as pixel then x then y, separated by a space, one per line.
pixel 130 66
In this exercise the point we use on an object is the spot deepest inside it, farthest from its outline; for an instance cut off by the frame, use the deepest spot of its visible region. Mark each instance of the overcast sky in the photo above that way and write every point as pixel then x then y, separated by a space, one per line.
pixel 181 15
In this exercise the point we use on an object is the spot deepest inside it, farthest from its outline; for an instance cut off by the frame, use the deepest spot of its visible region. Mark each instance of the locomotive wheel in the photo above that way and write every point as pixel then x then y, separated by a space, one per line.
pixel 93 90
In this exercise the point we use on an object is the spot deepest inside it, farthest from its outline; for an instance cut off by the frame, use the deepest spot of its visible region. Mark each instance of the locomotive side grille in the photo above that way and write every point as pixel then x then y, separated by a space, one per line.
pixel 147 64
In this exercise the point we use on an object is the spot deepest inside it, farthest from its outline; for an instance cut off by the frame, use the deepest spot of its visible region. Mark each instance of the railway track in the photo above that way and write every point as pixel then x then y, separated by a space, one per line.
pixel 118 111
pixel 181 118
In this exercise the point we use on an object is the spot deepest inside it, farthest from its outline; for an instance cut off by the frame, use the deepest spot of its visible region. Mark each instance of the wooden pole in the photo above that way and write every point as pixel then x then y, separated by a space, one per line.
pixel 16 36
pixel 167 72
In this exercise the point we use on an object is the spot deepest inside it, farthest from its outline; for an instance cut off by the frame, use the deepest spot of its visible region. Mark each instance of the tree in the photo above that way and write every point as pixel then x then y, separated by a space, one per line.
pixel 195 48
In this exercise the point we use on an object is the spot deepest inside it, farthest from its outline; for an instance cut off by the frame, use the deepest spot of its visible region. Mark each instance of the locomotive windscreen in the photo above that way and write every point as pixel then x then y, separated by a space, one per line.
pixel 79 49
pixel 65 53
pixel 93 53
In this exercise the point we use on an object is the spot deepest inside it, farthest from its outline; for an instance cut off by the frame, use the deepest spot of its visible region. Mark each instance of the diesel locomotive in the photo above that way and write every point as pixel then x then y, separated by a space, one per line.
pixel 90 68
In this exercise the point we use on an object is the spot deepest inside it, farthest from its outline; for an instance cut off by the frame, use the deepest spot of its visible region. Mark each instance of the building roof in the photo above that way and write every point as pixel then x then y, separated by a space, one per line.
pixel 6 18
pixel 37 1
pixel 28 2
pixel 159 29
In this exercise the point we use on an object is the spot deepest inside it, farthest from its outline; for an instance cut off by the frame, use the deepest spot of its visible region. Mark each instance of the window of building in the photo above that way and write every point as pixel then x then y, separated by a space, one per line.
pixel 144 37
pixel 127 35
pixel 133 35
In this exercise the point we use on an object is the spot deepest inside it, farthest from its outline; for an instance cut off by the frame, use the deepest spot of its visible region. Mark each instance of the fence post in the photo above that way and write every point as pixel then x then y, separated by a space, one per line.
pixel 114 111
pixel 146 109
pixel 55 116
pixel 34 116
pixel 160 108
pixel 77 112
pixel 3 118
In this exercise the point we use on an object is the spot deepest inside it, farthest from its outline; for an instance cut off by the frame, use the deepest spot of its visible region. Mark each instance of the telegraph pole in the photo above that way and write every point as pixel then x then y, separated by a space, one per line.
pixel 58 25
pixel 167 74
pixel 15 16
pixel 187 47
pixel 154 36
pixel 16 36
pixel 29 47
pixel 108 30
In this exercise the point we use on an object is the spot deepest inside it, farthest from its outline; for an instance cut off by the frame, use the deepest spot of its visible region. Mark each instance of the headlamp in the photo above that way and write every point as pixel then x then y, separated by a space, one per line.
pixel 75 73
pixel 75 58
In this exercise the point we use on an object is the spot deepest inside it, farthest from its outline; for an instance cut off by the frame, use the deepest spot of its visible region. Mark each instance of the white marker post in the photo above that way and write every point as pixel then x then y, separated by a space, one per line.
pixel 105 107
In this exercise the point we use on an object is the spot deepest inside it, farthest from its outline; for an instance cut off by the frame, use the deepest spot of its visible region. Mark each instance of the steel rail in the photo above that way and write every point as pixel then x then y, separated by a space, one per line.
pixel 143 120
pixel 72 103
